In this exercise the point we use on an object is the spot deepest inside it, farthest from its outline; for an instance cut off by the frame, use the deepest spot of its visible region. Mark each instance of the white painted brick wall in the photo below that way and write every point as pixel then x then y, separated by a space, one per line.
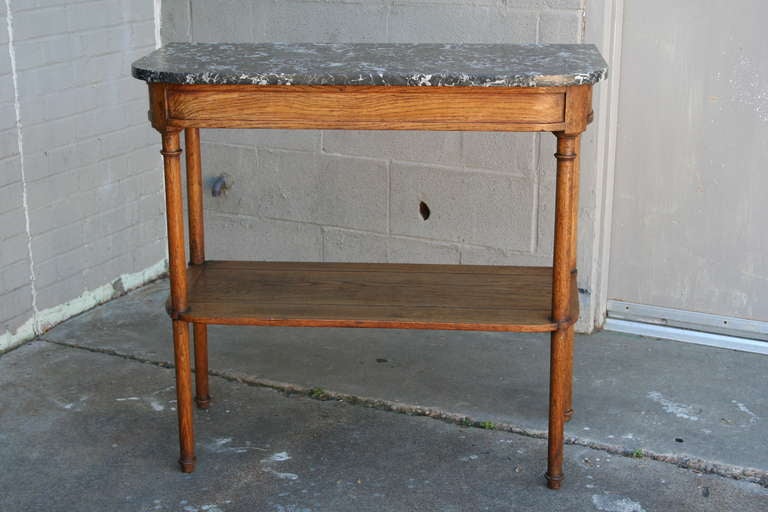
pixel 463 23
pixel 467 207
pixel 254 238
pixel 92 171
pixel 349 245
pixel 489 193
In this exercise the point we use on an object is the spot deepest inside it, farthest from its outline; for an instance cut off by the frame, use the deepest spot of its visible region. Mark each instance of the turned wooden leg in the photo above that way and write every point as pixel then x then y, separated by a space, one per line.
pixel 184 396
pixel 177 270
pixel 557 396
pixel 573 265
pixel 195 197
pixel 562 275
pixel 202 395
pixel 197 257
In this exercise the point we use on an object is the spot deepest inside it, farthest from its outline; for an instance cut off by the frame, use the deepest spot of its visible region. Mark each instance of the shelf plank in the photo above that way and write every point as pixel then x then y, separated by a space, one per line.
pixel 402 296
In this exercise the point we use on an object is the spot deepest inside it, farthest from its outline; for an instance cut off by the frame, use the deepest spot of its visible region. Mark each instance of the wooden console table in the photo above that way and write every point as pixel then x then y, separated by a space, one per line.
pixel 523 88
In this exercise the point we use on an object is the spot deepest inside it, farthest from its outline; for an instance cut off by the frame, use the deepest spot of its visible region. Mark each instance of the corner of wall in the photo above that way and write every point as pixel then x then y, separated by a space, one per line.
pixel 46 319
pixel 606 34
pixel 43 319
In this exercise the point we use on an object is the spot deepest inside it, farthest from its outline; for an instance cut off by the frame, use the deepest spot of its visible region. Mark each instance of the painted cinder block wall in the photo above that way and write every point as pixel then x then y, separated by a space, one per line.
pixel 80 173
pixel 355 196
pixel 15 287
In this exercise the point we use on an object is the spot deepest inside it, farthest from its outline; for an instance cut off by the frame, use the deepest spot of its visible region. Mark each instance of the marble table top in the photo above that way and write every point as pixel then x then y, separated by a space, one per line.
pixel 479 65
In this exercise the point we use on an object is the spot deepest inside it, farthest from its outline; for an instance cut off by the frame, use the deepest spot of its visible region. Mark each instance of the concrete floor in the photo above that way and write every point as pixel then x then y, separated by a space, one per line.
pixel 88 421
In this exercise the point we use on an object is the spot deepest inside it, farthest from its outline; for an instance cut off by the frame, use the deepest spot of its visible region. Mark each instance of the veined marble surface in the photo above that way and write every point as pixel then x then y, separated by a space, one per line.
pixel 479 65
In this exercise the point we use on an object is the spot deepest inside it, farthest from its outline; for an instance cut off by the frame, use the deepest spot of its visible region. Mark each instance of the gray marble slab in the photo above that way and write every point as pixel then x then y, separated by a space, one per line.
pixel 480 65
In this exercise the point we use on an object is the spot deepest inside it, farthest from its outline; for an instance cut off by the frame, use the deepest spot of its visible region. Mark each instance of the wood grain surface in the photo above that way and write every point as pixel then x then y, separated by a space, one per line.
pixel 401 296
pixel 363 108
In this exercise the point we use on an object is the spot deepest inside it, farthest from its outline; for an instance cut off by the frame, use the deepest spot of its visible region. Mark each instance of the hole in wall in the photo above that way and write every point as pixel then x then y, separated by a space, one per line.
pixel 424 210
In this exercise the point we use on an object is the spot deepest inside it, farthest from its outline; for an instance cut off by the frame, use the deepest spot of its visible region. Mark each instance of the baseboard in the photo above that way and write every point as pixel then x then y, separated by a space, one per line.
pixel 687 336
pixel 693 320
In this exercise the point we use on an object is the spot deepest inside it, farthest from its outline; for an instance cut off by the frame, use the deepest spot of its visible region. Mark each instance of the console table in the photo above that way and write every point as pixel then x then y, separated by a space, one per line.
pixel 484 87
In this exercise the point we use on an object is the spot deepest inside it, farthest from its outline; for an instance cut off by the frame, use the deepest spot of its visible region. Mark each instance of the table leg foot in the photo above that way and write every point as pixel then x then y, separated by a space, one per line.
pixel 203 402
pixel 553 482
pixel 187 465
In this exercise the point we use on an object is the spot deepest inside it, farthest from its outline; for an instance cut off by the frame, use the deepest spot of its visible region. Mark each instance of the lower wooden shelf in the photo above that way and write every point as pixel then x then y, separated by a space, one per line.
pixel 400 296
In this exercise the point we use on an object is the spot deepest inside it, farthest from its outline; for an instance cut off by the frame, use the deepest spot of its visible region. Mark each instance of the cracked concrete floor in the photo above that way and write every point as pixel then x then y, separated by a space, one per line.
pixel 86 430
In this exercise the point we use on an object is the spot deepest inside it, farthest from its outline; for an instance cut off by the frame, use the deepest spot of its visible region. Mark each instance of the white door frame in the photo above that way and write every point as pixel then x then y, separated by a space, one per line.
pixel 604 27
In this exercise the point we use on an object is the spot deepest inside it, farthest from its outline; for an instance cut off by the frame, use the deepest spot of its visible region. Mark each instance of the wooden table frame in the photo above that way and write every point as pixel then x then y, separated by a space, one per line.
pixel 196 295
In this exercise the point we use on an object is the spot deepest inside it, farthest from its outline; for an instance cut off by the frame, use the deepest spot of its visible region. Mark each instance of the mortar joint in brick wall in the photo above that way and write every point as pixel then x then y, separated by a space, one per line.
pixel 389 197
pixel 20 142
pixel 157 20
pixel 535 227
pixel 323 235
pixel 189 20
